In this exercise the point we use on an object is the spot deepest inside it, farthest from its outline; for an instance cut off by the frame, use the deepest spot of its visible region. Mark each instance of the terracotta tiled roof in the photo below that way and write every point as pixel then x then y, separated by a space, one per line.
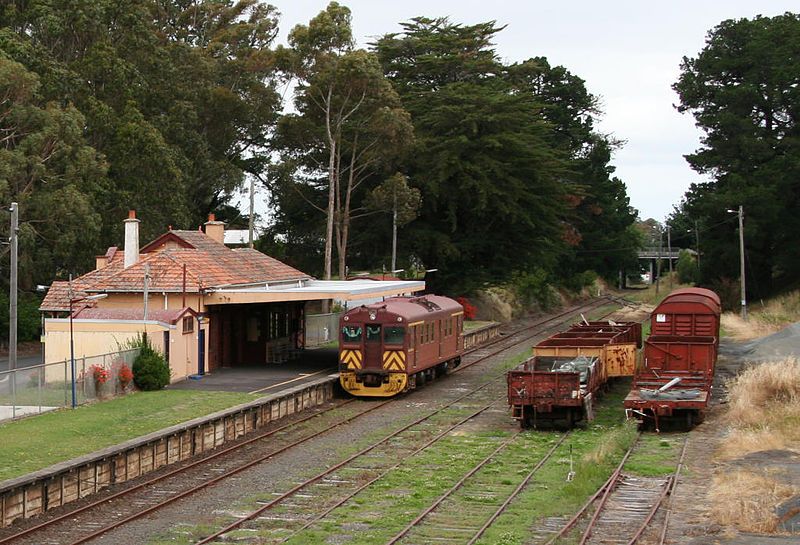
pixel 158 315
pixel 208 264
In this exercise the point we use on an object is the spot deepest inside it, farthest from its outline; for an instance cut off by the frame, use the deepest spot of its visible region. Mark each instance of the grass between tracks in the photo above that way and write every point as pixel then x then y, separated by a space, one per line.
pixel 38 442
pixel 384 508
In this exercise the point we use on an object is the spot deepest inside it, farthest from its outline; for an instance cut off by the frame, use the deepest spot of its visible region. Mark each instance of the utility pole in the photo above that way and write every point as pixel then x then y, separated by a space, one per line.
pixel 146 291
pixel 252 209
pixel 658 262
pixel 12 290
pixel 741 262
pixel 669 253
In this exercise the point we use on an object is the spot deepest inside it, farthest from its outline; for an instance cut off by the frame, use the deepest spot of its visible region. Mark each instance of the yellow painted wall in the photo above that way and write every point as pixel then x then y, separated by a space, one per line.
pixel 97 337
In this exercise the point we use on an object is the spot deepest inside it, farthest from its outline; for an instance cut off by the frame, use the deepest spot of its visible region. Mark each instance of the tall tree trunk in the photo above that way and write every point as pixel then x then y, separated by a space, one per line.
pixel 331 188
pixel 394 234
pixel 345 219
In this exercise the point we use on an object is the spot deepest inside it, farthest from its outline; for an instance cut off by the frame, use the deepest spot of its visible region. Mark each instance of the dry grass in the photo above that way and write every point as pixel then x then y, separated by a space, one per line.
pixel 765 395
pixel 738 442
pixel 763 414
pixel 739 330
pixel 764 318
pixel 751 512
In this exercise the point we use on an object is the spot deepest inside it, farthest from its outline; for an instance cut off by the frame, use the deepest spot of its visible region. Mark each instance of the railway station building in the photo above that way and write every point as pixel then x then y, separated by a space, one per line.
pixel 203 304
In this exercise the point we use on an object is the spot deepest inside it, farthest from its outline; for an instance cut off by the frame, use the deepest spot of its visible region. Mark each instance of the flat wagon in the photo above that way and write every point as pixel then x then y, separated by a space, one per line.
pixel 559 384
pixel 675 380
pixel 390 347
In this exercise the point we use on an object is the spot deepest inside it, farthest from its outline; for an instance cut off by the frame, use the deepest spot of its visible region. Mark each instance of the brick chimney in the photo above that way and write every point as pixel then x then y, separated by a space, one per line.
pixel 215 229
pixel 131 239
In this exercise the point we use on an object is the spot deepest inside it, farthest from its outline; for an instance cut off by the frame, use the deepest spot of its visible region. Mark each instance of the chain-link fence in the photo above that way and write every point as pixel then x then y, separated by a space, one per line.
pixel 322 329
pixel 41 388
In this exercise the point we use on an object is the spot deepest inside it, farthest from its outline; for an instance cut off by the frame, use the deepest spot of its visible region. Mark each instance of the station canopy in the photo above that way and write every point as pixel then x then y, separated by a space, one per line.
pixel 311 289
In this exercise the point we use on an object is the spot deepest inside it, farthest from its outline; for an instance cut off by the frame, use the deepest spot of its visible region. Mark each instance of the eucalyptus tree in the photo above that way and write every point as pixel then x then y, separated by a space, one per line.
pixel 348 123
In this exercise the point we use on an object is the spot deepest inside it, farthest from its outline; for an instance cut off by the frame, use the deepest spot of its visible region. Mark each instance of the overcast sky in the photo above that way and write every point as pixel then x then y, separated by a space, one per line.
pixel 628 52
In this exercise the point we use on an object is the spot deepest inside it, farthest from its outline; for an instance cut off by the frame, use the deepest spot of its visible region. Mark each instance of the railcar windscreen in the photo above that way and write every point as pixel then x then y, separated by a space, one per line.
pixel 373 333
pixel 351 333
pixel 393 335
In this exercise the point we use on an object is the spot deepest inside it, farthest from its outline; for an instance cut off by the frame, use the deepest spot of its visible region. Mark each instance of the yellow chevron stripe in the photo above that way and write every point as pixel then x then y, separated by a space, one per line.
pixel 394 360
pixel 457 313
pixel 352 358
pixel 416 323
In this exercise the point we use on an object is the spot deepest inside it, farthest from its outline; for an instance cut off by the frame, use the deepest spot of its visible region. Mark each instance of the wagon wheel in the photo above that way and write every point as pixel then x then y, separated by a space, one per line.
pixel 689 420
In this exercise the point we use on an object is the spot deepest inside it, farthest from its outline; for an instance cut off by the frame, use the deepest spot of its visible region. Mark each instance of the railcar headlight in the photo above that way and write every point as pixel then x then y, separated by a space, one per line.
pixel 346 318
pixel 399 319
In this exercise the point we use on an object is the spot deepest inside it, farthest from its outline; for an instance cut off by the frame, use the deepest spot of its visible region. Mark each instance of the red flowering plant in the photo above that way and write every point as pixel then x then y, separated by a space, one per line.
pixel 470 310
pixel 99 373
pixel 125 376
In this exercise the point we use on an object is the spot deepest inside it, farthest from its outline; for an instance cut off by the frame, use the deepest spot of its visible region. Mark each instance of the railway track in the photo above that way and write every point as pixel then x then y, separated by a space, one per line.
pixel 625 507
pixel 113 510
pixel 464 512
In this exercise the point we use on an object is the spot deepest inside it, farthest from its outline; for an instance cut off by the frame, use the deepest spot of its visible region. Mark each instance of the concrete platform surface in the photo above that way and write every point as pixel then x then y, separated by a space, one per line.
pixel 266 378
pixel 7 412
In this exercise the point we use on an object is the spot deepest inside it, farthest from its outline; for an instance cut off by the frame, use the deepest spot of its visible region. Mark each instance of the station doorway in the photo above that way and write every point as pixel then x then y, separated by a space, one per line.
pixel 254 334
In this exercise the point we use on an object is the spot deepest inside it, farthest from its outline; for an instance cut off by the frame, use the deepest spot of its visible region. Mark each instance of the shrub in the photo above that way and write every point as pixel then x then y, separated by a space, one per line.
pixel 125 376
pixel 150 369
pixel 470 310
pixel 535 287
pixel 687 268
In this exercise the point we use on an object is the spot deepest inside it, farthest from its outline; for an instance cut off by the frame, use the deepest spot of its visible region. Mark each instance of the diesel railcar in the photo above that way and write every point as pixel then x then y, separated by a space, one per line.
pixel 393 346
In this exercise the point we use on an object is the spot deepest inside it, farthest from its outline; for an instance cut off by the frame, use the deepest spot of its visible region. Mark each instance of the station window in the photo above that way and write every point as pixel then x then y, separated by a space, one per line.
pixel 352 333
pixel 393 335
pixel 373 333
pixel 188 324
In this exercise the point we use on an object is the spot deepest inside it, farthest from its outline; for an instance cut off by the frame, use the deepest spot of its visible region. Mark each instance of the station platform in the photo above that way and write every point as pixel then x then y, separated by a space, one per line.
pixel 264 379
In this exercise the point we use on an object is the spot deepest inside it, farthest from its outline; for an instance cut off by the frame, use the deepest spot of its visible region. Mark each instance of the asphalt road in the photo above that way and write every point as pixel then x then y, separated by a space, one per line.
pixel 22 361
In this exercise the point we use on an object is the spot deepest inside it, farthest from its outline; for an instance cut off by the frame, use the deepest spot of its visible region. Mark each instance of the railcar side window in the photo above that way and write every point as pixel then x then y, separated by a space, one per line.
pixel 373 333
pixel 394 335
pixel 351 333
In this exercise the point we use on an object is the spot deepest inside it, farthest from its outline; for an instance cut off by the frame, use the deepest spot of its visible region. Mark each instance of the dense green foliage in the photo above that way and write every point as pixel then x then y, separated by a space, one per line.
pixel 512 175
pixel 158 106
pixel 167 106
pixel 150 370
pixel 742 90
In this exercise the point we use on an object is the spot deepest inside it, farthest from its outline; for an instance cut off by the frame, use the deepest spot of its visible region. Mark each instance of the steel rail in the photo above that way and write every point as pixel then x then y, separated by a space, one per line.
pixel 373 480
pixel 604 498
pixel 214 480
pixel 602 490
pixel 158 478
pixel 292 491
pixel 517 490
pixel 204 459
pixel 381 475
pixel 428 510
pixel 667 514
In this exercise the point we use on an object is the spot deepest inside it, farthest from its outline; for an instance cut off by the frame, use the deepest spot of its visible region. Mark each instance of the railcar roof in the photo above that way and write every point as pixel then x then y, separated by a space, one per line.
pixel 415 308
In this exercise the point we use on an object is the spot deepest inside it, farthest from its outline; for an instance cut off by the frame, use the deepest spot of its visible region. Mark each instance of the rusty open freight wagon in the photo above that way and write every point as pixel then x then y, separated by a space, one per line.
pixel 559 384
pixel 674 381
